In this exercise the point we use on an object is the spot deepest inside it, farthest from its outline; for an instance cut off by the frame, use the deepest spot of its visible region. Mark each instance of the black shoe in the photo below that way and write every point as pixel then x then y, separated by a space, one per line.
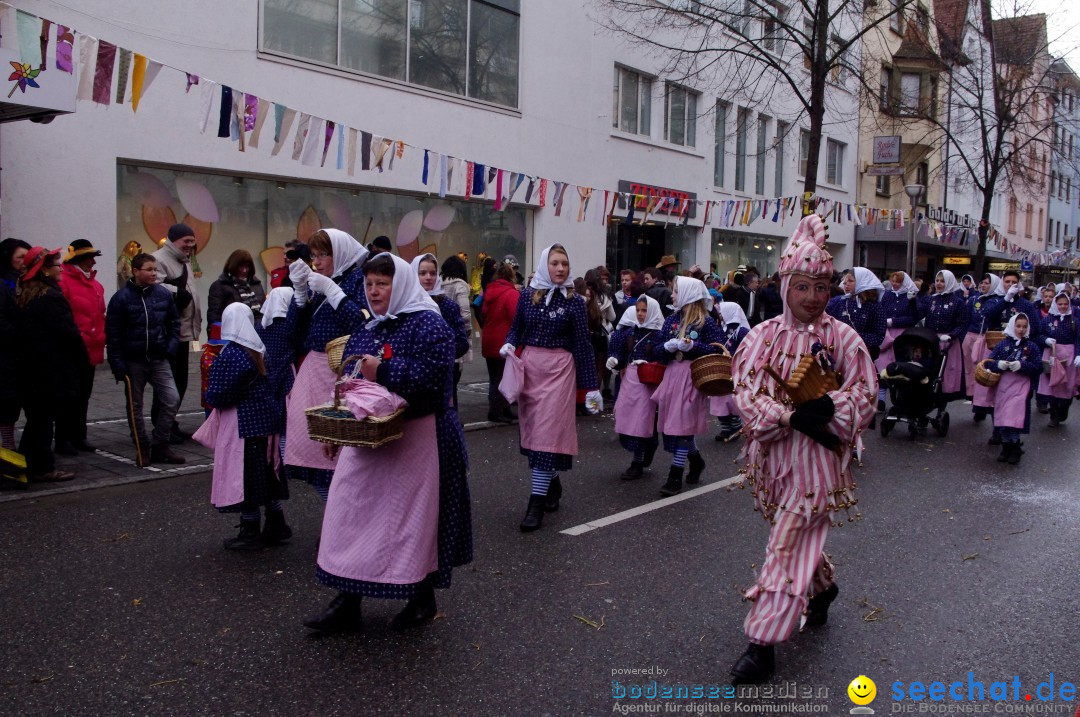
pixel 697 465
pixel 979 415
pixel 248 539
pixel 817 611
pixel 175 439
pixel 674 482
pixel 754 666
pixel 499 418
pixel 84 446
pixel 164 454
pixel 510 412
pixel 342 615
pixel 65 448
pixel 995 440
pixel 1014 455
pixel 534 514
pixel 551 500
pixel 420 610
pixel 1006 451
pixel 276 531
pixel 649 453
pixel 634 472
pixel 1044 409
pixel 724 435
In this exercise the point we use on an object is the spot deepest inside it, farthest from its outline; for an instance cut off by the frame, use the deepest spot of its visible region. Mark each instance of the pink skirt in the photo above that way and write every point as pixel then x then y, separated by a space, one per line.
pixel 635 412
pixel 1010 400
pixel 722 406
pixel 546 403
pixel 887 355
pixel 314 386
pixel 954 368
pixel 981 396
pixel 220 432
pixel 974 349
pixel 382 516
pixel 684 410
pixel 1067 388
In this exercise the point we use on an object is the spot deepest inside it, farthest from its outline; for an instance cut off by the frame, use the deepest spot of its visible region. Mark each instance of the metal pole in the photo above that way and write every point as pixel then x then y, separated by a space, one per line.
pixel 912 245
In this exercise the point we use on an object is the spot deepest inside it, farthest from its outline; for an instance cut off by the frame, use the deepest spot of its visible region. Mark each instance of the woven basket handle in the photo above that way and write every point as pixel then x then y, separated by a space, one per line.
pixel 341 379
pixel 722 347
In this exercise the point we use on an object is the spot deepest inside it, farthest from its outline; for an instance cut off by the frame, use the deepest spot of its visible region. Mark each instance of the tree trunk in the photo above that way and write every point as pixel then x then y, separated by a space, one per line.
pixel 984 233
pixel 819 77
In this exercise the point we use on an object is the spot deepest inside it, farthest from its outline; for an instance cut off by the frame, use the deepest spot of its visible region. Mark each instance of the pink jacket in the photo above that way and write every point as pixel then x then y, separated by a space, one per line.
pixel 87 299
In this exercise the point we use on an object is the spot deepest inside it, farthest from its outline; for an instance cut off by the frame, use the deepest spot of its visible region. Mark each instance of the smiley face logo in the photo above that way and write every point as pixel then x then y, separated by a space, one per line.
pixel 862 690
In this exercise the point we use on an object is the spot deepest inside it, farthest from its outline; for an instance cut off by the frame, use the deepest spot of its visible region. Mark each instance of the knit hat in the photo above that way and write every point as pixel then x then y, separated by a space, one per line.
pixel 179 231
pixel 382 242
pixel 806 253
pixel 80 248
pixel 35 260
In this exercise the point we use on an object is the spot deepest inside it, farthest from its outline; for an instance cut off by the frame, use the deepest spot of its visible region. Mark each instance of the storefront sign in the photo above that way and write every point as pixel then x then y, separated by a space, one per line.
pixel 1003 265
pixel 887 150
pixel 646 192
pixel 948 216
pixel 875 170
pixel 957 260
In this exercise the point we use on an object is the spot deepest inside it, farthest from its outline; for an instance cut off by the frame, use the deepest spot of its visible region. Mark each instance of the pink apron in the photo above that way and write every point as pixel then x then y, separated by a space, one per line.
pixel 974 345
pixel 981 396
pixel 220 432
pixel 684 410
pixel 546 402
pixel 314 386
pixel 954 368
pixel 382 516
pixel 635 412
pixel 887 354
pixel 1065 389
pixel 1010 400
pixel 721 406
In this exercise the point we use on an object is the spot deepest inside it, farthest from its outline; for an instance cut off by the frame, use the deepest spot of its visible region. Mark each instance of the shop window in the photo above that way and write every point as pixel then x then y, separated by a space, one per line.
pixel 680 115
pixel 464 47
pixel 632 103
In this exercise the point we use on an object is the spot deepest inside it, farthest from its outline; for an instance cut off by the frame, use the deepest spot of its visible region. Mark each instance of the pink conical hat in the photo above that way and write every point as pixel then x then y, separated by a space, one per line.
pixel 806 253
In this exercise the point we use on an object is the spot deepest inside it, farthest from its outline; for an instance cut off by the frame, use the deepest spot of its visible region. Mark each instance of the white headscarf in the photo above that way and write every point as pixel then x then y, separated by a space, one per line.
pixel 996 288
pixel 1053 304
pixel 438 279
pixel 542 278
pixel 276 305
pixel 1010 330
pixel 688 290
pixel 1059 289
pixel 732 313
pixel 346 250
pixel 951 284
pixel 406 294
pixel 654 318
pixel 238 326
pixel 907 285
pixel 865 280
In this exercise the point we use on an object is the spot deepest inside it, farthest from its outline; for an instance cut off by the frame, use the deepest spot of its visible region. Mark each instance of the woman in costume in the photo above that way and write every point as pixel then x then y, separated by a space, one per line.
pixel 947 316
pixel 1060 335
pixel 984 314
pixel 634 343
pixel 1017 358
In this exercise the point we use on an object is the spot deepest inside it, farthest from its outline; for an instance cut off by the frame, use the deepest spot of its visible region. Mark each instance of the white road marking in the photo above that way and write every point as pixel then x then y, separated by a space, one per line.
pixel 648 507
pixel 124 420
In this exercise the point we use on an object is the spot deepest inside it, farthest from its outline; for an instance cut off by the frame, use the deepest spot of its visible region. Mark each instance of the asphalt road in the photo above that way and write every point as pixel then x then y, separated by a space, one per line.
pixel 121 601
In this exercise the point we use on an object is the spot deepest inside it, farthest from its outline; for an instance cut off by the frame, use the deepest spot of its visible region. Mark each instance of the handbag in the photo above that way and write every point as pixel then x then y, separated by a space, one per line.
pixel 1059 375
pixel 513 378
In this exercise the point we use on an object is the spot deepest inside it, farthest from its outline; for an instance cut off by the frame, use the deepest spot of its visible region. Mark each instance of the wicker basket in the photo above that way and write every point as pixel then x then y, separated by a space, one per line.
pixel 335 425
pixel 335 351
pixel 984 376
pixel 712 373
pixel 993 338
pixel 808 381
pixel 651 374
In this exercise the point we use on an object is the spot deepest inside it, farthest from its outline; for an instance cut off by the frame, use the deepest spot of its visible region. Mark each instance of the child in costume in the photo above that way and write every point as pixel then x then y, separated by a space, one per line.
pixel 1018 359
pixel 736 327
pixel 631 344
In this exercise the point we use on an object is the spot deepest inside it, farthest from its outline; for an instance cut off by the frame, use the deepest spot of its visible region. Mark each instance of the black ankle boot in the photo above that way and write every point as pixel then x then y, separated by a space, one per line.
pixel 276 531
pixel 534 514
pixel 248 539
pixel 754 666
pixel 1014 454
pixel 342 615
pixel 697 465
pixel 1006 451
pixel 551 500
pixel 420 610
pixel 995 440
pixel 817 611
pixel 635 471
pixel 674 481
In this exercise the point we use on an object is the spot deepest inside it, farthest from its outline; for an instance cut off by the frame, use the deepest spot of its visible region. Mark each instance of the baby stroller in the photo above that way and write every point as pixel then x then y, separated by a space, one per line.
pixel 914 382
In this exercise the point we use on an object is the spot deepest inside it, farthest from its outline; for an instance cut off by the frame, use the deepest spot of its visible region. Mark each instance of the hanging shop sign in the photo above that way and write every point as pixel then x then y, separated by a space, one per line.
pixel 646 192
pixel 887 150
pixel 948 216
pixel 957 260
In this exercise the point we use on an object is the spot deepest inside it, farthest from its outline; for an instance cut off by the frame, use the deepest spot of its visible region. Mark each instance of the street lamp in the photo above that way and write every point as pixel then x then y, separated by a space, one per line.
pixel 914 191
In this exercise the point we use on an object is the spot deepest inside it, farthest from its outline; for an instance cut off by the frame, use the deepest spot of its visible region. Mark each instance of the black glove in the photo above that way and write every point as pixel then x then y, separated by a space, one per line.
pixel 183 298
pixel 814 428
pixel 821 409
pixel 119 375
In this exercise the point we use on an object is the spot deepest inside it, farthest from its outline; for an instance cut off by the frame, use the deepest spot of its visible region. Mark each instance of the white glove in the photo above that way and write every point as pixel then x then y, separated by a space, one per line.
pixel 1076 362
pixel 944 338
pixel 298 275
pixel 888 322
pixel 1003 365
pixel 912 293
pixel 686 344
pixel 506 350
pixel 1050 342
pixel 612 363
pixel 594 402
pixel 1014 365
pixel 1012 292
pixel 327 287
pixel 671 345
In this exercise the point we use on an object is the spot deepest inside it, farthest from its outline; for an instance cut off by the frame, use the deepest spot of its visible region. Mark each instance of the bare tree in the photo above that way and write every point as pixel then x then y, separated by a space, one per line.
pixel 765 50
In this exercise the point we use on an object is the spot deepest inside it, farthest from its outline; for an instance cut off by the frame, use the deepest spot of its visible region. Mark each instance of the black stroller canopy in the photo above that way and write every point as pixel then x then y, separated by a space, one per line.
pixel 917 336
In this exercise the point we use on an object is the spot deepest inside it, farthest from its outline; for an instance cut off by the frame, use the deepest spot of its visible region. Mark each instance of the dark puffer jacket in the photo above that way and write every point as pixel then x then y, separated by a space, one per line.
pixel 141 324
pixel 50 345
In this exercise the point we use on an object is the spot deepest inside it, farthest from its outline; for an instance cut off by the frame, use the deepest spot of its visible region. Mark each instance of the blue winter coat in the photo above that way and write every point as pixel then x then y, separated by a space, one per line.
pixel 141 324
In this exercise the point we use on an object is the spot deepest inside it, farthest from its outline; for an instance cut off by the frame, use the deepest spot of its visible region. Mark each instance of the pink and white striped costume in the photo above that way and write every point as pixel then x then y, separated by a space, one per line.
pixel 799 486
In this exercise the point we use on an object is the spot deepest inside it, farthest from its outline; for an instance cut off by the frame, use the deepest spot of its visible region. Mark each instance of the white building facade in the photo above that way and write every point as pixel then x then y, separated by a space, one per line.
pixel 516 91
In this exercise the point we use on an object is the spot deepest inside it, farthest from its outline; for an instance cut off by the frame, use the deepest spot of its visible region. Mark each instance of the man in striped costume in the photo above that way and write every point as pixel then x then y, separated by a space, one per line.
pixel 797 457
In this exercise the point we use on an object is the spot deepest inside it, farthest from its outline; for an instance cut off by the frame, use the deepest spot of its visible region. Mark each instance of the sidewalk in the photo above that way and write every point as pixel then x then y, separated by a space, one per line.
pixel 114 461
